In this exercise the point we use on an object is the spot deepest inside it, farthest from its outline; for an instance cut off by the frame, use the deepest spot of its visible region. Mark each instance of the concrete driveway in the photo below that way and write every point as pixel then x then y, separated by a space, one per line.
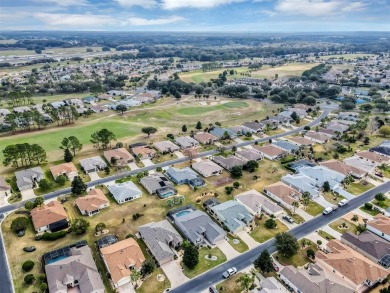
pixel 174 273
pixel 28 194
pixel 227 249
pixel 179 154
pixel 127 288
pixel 94 176
pixel 252 243
pixel 133 166
pixel 147 162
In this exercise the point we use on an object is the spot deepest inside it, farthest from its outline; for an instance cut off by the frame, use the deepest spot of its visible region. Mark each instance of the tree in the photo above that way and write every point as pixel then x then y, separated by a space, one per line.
pixel 264 262
pixel 198 125
pixel 184 128
pixel 236 184
pixel 102 138
pixel 29 205
pixel 270 223
pixel 79 226
pixel 380 197
pixel 44 185
pixel 361 228
pixel 236 172
pixel 29 279
pixel 147 268
pixel 121 108
pixel 246 281
pixel 134 276
pixel 295 205
pixel 294 116
pixel 19 224
pixel 39 200
pixel 28 265
pixel 326 186
pixel 61 179
pixel 149 130
pixel 43 287
pixel 23 154
pixel 68 157
pixel 100 227
pixel 75 144
pixel 78 186
pixel 310 253
pixel 384 131
pixel 177 95
pixel 286 244
pixel 191 256
pixel 305 198
pixel 251 166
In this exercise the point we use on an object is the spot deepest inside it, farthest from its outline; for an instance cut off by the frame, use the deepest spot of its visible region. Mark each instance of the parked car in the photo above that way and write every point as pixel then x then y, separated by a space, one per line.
pixel 230 272
pixel 327 211
pixel 288 219
pixel 343 202
pixel 276 268
pixel 212 289
pixel 335 207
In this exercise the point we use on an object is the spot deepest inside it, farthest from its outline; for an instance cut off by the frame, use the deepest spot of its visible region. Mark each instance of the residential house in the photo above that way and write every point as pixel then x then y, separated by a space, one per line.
pixel 328 132
pixel 379 159
pixel 229 162
pixel 205 138
pixel 337 126
pixel 118 157
pixel 233 215
pixel 207 168
pixel 196 226
pixel 278 119
pixel 313 279
pixel 5 188
pixel 161 239
pixel 58 104
pixel 4 112
pixel 97 108
pixel 383 149
pixel 73 270
pixel 124 192
pixel 185 176
pixel 166 147
pixel 121 258
pixel 380 225
pixel 143 152
pixel 283 194
pixel 158 184
pixel 50 217
pixel 68 170
pixel 302 183
pixel 368 244
pixel 248 155
pixel 186 142
pixel 321 175
pixel 240 130
pixel 257 203
pixel 364 165
pixel 300 141
pixel 90 100
pixel 285 146
pixel 92 203
pixel 342 168
pixel 255 127
pixel 93 164
pixel 223 133
pixel 21 109
pixel 270 152
pixel 358 271
pixel 270 285
pixel 28 179
pixel 316 137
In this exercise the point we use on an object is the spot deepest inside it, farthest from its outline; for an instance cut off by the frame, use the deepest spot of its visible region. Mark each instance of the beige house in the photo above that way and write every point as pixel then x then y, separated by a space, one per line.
pixel 120 155
pixel 69 170
pixel 143 152
pixel 283 194
pixel 92 203
pixel 51 217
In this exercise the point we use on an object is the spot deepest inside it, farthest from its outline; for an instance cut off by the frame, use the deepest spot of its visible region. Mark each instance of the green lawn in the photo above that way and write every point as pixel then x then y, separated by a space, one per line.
pixel 297 218
pixel 371 212
pixel 350 227
pixel 314 209
pixel 204 264
pixel 261 234
pixel 383 204
pixel 325 235
pixel 151 284
pixel 358 188
pixel 199 110
pixel 230 285
pixel 330 197
pixel 236 105
pixel 240 247
pixel 300 258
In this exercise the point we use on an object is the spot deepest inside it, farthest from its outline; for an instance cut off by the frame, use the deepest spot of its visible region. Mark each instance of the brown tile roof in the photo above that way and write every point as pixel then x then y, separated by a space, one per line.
pixel 120 256
pixel 204 137
pixel 63 168
pixel 381 223
pixel 378 158
pixel 351 264
pixel 92 201
pixel 300 140
pixel 341 167
pixel 121 154
pixel 48 214
pixel 317 136
pixel 143 150
pixel 269 150
pixel 284 192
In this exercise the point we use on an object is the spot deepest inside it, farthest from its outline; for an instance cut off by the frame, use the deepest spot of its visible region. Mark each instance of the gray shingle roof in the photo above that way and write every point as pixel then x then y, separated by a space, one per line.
pixel 26 177
pixel 155 181
pixel 121 191
pixel 233 214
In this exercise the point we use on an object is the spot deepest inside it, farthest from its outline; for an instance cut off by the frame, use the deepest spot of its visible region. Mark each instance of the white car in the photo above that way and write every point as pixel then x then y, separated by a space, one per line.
pixel 327 210
pixel 343 202
pixel 230 272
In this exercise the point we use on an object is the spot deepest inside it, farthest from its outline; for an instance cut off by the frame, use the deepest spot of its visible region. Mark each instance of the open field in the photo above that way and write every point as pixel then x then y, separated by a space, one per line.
pixel 127 128
pixel 21 52
pixel 291 69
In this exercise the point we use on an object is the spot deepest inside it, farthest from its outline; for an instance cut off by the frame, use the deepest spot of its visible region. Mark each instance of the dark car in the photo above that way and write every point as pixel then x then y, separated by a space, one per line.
pixel 212 289
pixel 29 248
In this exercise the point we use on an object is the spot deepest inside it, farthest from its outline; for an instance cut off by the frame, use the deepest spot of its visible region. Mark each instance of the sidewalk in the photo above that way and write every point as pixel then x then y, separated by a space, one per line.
pixel 303 214
pixel 331 231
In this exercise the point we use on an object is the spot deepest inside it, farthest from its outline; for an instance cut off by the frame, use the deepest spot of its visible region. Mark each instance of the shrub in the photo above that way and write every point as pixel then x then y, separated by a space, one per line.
pixel 29 279
pixel 53 236
pixel 28 265
pixel 43 287
pixel 270 223
pixel 368 206
pixel 19 224
pixel 306 127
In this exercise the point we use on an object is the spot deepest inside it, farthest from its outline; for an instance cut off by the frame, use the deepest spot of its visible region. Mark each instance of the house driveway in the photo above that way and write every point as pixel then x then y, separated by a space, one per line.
pixel 127 288
pixel 94 176
pixel 227 249
pixel 303 214
pixel 28 194
pixel 345 193
pixel 252 243
pixel 174 273
pixel 147 162
pixel 179 154
pixel 133 166
pixel 238 140
pixel 322 201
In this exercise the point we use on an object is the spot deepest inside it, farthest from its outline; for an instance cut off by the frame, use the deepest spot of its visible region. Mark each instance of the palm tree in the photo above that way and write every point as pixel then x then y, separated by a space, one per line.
pixel 305 198
pixel 295 205
pixel 246 281
pixel 134 276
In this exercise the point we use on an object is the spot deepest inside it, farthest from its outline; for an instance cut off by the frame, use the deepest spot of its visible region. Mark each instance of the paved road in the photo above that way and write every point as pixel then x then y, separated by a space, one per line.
pixel 214 276
pixel 5 279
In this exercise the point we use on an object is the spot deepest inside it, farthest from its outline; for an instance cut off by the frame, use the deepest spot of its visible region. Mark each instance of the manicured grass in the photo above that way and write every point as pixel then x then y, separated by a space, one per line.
pixel 240 247
pixel 383 204
pixel 300 258
pixel 204 264
pixel 198 110
pixel 351 227
pixel 151 284
pixel 370 212
pixel 236 105
pixel 330 197
pixel 297 218
pixel 358 188
pixel 325 235
pixel 314 209
pixel 230 285
pixel 261 234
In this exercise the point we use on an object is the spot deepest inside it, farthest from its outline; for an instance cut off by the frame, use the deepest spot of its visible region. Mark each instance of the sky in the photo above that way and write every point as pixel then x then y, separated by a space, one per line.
pixel 196 15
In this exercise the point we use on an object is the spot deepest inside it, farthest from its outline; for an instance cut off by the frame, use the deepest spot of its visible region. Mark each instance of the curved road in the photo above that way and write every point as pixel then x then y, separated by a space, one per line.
pixel 5 276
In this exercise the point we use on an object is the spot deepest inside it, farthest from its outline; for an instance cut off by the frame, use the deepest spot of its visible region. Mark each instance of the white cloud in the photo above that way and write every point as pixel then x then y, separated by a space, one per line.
pixel 158 21
pixel 317 7
pixel 175 4
pixel 64 2
pixel 74 20
pixel 142 3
